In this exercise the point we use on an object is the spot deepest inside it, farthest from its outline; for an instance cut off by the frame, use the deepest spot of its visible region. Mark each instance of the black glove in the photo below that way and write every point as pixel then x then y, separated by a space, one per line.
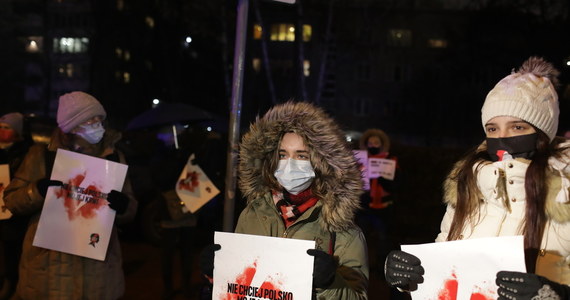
pixel 403 270
pixel 523 286
pixel 43 184
pixel 207 259
pixel 118 201
pixel 324 268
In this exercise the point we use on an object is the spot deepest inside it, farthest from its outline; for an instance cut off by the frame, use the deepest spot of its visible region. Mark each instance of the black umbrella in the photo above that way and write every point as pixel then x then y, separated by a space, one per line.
pixel 169 113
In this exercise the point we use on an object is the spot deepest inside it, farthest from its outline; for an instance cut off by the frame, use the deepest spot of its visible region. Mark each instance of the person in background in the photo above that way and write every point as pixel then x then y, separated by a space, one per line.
pixel 14 145
pixel 49 274
pixel 514 183
pixel 300 177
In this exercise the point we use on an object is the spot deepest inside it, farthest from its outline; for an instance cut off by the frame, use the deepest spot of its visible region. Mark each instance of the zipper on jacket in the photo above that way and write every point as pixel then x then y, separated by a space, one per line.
pixel 285 233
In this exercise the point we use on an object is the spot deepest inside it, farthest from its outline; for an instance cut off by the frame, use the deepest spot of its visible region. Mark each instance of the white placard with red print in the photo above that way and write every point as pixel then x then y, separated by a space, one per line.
pixel 256 267
pixel 194 187
pixel 466 269
pixel 4 181
pixel 76 218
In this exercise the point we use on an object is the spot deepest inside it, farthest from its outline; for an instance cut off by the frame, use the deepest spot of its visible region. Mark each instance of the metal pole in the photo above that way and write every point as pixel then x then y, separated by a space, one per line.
pixel 233 131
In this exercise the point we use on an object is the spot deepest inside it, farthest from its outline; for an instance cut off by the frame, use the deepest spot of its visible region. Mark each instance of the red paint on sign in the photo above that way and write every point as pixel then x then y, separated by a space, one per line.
pixel 84 202
pixel 190 182
pixel 449 289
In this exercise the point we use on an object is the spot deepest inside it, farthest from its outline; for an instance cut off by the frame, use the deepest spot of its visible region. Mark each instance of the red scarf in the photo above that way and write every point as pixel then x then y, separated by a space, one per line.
pixel 291 207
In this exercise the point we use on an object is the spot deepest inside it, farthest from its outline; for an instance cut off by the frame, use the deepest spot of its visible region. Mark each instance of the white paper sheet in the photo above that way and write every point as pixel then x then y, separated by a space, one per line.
pixel 76 218
pixel 466 269
pixel 258 267
pixel 4 181
pixel 194 187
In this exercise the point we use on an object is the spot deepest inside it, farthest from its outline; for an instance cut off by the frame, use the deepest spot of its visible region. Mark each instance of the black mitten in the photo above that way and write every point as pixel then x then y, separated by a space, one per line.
pixel 118 201
pixel 523 286
pixel 207 259
pixel 403 270
pixel 43 184
pixel 324 268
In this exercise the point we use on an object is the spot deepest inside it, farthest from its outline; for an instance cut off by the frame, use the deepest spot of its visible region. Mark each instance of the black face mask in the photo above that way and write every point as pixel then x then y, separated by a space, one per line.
pixel 516 146
pixel 373 150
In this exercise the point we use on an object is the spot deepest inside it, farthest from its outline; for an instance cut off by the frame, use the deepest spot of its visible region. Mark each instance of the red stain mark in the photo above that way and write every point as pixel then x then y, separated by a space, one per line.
pixel 451 286
pixel 190 182
pixel 267 290
pixel 84 202
pixel 449 290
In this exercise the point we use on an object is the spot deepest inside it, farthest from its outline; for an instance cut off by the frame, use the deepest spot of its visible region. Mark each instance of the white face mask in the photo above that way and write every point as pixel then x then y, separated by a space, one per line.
pixel 294 175
pixel 92 133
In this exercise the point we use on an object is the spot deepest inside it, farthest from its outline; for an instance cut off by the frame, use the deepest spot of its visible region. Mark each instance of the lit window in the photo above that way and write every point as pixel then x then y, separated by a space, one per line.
pixel 437 43
pixel 306 68
pixel 127 55
pixel 400 37
pixel 149 21
pixel 256 65
pixel 34 44
pixel 66 70
pixel 119 52
pixel 286 32
pixel 126 77
pixel 70 45
pixel 307 33
pixel 257 32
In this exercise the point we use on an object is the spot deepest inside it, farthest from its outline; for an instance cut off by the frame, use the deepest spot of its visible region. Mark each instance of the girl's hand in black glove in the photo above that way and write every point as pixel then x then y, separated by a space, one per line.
pixel 43 184
pixel 526 286
pixel 403 270
pixel 118 201
pixel 324 268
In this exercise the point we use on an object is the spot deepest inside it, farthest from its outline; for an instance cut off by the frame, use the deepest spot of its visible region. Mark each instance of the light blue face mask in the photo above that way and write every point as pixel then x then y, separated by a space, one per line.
pixel 92 133
pixel 294 175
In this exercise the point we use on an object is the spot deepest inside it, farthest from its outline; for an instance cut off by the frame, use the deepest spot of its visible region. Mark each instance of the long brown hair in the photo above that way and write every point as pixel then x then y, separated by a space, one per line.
pixel 536 185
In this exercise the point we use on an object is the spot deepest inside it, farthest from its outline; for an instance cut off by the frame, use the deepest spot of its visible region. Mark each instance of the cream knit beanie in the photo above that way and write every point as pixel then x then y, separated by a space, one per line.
pixel 529 94
pixel 75 108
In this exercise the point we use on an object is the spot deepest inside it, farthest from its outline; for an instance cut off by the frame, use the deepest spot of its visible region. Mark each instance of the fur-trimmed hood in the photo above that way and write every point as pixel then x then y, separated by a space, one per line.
pixel 338 180
pixel 558 194
pixel 384 139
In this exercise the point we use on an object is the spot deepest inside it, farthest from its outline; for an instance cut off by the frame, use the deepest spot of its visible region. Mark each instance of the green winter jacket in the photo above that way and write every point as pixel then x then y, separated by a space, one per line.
pixel 338 185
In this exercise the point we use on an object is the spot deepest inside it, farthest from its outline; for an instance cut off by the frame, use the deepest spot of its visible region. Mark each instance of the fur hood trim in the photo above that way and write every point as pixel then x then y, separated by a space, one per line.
pixel 384 139
pixel 338 180
pixel 559 173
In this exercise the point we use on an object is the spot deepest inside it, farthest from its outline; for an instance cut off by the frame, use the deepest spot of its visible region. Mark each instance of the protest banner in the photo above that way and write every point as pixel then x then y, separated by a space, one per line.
pixel 466 269
pixel 252 267
pixel 194 187
pixel 4 181
pixel 76 218
pixel 381 167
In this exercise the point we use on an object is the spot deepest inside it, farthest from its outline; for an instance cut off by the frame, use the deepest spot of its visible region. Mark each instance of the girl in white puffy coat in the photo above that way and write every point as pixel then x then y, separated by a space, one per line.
pixel 515 183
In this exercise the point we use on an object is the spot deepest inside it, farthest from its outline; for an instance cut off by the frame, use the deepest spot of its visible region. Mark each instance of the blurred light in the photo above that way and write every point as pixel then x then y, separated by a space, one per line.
pixel 209 128
pixel 568 62
pixel 348 139
pixel 155 102
pixel 188 39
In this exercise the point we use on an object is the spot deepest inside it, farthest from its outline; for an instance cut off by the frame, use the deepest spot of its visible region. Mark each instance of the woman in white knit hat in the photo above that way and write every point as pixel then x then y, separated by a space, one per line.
pixel 49 274
pixel 514 183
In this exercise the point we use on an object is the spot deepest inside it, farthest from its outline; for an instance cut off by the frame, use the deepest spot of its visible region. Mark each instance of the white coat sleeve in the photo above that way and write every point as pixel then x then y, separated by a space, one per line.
pixel 445 224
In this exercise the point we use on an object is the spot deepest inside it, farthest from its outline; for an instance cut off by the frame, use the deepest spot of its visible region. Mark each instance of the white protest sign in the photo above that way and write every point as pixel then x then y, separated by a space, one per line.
pixel 466 269
pixel 4 181
pixel 194 187
pixel 362 158
pixel 381 167
pixel 256 267
pixel 76 218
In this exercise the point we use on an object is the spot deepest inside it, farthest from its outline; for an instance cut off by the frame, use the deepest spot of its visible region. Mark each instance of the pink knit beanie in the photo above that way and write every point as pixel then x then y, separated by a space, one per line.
pixel 75 108
pixel 15 120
